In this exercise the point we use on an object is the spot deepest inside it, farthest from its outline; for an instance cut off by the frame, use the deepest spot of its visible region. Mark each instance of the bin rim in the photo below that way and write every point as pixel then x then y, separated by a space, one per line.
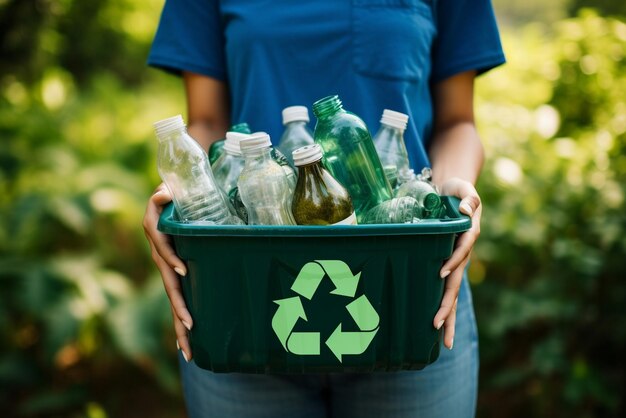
pixel 454 223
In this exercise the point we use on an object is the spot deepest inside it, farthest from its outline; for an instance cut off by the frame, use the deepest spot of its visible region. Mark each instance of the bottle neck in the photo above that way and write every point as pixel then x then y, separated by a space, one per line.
pixel 314 168
pixel 171 134
pixel 257 155
pixel 327 107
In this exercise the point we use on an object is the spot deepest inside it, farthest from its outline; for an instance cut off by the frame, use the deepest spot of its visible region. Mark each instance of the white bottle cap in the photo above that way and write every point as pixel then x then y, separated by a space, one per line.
pixel 165 126
pixel 395 119
pixel 295 113
pixel 231 145
pixel 307 155
pixel 255 141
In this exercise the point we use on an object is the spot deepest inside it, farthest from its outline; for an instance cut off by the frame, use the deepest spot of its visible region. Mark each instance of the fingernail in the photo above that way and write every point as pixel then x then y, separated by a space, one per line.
pixel 466 208
pixel 177 346
pixel 445 274
pixel 440 324
pixel 180 271
pixel 451 344
pixel 185 356
pixel 186 324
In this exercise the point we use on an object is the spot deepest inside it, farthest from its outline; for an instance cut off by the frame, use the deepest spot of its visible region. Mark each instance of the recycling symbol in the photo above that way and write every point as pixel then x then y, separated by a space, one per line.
pixel 341 343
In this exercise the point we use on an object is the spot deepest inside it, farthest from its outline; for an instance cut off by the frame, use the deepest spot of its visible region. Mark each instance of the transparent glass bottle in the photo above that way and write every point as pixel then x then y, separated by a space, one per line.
pixel 419 188
pixel 399 210
pixel 296 133
pixel 184 168
pixel 350 155
pixel 319 198
pixel 263 184
pixel 217 148
pixel 389 143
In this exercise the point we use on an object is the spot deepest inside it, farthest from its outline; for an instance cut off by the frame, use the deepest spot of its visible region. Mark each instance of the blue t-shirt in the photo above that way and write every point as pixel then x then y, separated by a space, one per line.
pixel 375 54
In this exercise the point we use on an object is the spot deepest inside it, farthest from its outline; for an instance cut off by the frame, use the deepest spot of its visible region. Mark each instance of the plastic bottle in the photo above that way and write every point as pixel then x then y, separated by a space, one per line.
pixel 296 133
pixel 217 148
pixel 229 165
pixel 319 198
pixel 350 155
pixel 399 210
pixel 389 142
pixel 263 184
pixel 420 188
pixel 184 168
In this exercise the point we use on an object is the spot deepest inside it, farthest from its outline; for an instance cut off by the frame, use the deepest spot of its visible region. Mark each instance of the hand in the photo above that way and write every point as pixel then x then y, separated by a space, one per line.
pixel 169 265
pixel 452 270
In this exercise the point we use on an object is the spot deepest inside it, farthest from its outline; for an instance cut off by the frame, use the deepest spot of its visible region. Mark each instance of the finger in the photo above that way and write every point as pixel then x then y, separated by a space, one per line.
pixel 463 246
pixel 453 284
pixel 161 241
pixel 182 338
pixel 171 282
pixel 464 190
pixel 449 327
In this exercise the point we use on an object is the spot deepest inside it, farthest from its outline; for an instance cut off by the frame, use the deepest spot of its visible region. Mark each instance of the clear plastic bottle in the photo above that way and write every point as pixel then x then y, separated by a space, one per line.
pixel 296 133
pixel 420 188
pixel 399 210
pixel 184 168
pixel 263 184
pixel 389 142
pixel 350 155
pixel 229 165
pixel 217 148
pixel 319 198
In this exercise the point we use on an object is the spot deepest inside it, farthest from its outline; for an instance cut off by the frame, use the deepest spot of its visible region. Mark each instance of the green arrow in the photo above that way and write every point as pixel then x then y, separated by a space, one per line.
pixel 304 343
pixel 308 280
pixel 343 279
pixel 342 343
pixel 363 313
pixel 286 316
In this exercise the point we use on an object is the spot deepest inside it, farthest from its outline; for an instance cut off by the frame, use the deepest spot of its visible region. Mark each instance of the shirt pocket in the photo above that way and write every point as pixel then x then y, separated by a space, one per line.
pixel 392 39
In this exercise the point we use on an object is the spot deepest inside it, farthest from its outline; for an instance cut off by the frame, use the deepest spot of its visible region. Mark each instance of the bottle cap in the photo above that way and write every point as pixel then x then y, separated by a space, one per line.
pixel 231 145
pixel 165 126
pixel 307 155
pixel 394 119
pixel 255 141
pixel 295 113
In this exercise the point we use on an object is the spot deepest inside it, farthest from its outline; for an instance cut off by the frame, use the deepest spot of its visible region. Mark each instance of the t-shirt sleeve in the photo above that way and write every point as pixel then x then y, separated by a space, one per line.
pixel 189 38
pixel 467 38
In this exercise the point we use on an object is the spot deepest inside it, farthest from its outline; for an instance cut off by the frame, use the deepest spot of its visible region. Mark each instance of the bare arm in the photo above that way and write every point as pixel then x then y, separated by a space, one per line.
pixel 457 156
pixel 208 109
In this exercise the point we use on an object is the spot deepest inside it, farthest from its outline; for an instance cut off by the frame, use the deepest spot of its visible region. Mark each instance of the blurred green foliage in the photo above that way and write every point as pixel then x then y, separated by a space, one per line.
pixel 84 321
pixel 549 268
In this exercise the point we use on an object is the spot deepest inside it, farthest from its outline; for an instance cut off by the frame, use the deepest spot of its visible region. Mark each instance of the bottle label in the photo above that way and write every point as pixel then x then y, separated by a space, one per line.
pixel 350 220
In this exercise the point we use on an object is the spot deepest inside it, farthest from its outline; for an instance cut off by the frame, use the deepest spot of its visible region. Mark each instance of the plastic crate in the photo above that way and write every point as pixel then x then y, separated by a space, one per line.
pixel 309 299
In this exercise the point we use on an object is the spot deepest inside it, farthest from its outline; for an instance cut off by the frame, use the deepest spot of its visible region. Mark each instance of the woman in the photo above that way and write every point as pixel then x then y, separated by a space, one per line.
pixel 245 60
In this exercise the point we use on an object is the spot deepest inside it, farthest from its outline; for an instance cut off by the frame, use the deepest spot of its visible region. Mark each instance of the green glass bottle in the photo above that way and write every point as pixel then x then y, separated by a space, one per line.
pixel 217 148
pixel 319 198
pixel 350 155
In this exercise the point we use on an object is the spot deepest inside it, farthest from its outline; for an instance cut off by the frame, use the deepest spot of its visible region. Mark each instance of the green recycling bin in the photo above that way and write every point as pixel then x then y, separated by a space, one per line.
pixel 314 299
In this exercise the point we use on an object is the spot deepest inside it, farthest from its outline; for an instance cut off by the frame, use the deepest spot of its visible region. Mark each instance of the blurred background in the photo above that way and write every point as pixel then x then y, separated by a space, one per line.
pixel 84 321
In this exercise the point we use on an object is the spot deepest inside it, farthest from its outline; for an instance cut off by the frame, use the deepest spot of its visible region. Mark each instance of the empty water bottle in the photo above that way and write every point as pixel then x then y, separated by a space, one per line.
pixel 217 148
pixel 229 165
pixel 399 210
pixel 184 168
pixel 423 191
pixel 296 133
pixel 389 142
pixel 263 184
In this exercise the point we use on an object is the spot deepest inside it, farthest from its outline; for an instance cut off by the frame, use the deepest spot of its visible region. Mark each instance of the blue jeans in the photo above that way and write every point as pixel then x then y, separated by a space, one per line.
pixel 446 388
